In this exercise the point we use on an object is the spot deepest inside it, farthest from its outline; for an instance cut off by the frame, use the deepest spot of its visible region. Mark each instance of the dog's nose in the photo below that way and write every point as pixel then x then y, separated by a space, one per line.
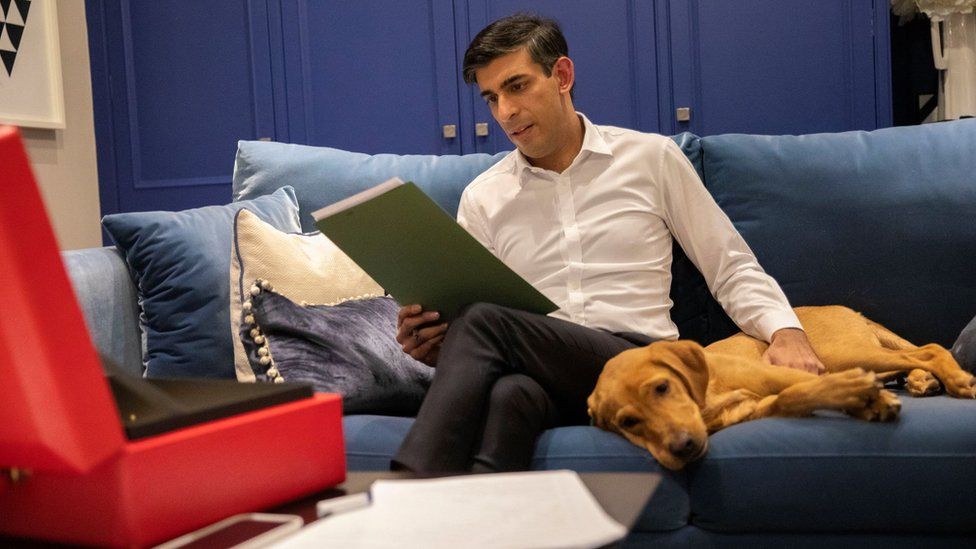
pixel 683 446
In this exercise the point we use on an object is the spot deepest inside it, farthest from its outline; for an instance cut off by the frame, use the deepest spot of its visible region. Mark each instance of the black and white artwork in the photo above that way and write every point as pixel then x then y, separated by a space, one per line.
pixel 31 92
pixel 13 19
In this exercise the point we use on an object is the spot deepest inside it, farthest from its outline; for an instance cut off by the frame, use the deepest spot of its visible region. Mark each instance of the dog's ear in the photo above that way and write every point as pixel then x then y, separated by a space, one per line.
pixel 591 407
pixel 692 367
pixel 596 408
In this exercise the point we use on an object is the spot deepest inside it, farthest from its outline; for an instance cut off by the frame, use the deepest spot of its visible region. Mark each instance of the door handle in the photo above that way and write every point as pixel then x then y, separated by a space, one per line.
pixel 481 129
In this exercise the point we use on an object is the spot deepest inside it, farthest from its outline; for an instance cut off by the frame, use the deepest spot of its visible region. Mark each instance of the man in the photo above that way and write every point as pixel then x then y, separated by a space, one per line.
pixel 586 214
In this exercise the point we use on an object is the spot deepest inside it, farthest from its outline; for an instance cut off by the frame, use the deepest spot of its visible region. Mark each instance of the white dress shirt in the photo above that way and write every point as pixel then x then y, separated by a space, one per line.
pixel 596 238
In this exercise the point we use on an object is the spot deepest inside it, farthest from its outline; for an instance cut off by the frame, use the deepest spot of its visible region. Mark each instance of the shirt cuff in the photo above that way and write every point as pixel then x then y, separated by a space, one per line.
pixel 773 321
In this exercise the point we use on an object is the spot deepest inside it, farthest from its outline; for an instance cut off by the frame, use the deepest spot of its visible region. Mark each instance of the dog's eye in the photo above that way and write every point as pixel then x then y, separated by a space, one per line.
pixel 628 423
pixel 662 388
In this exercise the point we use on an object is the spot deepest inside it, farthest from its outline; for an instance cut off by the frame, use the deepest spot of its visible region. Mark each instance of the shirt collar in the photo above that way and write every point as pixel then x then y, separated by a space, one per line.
pixel 593 142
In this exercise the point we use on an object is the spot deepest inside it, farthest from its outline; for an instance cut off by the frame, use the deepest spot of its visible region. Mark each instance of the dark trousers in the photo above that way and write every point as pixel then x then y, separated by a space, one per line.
pixel 503 376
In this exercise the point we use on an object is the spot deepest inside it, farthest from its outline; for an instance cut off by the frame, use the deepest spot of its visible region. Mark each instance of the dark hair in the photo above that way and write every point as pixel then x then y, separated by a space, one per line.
pixel 542 37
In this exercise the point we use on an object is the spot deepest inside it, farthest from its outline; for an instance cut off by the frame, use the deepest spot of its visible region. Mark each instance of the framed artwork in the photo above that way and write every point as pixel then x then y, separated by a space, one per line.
pixel 31 92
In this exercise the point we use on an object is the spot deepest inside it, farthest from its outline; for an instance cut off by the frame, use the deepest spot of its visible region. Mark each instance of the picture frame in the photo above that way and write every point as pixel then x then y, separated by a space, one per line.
pixel 31 87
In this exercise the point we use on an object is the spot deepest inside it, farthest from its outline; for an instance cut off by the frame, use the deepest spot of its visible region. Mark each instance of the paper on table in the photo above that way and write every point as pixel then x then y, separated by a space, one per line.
pixel 512 510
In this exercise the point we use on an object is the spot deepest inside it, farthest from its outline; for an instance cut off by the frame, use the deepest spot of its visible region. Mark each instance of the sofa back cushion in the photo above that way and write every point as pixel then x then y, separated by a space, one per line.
pixel 322 175
pixel 882 221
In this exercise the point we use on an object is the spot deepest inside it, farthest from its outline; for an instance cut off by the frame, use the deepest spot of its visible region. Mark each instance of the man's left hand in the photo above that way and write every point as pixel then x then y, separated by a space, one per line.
pixel 791 348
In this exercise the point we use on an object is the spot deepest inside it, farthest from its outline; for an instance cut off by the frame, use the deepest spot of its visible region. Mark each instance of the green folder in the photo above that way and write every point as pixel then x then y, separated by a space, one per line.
pixel 419 254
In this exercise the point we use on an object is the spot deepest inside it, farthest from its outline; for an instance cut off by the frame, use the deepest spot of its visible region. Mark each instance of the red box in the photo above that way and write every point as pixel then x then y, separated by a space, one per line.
pixel 86 482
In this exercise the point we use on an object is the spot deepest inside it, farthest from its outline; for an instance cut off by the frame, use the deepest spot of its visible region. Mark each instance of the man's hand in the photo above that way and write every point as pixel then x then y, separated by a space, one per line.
pixel 791 348
pixel 416 334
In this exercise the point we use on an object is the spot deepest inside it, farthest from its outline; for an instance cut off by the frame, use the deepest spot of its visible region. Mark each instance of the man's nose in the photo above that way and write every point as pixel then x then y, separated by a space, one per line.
pixel 506 108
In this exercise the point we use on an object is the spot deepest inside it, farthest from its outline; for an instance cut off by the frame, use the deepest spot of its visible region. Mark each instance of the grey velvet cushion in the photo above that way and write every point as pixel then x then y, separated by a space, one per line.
pixel 349 348
pixel 964 348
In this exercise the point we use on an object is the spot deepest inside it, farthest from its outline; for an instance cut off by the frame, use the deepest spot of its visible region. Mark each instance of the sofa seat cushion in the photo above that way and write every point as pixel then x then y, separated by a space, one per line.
pixel 837 474
pixel 878 221
pixel 372 440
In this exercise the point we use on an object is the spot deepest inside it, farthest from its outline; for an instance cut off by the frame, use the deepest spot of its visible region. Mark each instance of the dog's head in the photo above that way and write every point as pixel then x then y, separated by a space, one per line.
pixel 653 396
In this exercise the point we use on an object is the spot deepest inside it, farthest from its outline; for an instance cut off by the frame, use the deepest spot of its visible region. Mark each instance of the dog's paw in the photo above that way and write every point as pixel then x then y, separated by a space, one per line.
pixel 961 384
pixel 921 383
pixel 851 389
pixel 885 407
pixel 729 408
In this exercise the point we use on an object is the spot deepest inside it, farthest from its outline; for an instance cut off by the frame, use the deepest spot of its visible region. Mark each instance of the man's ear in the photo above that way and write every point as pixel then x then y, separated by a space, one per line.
pixel 565 73
pixel 692 367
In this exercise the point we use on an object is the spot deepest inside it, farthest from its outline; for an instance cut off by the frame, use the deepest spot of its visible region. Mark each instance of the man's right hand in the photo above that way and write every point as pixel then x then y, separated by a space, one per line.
pixel 417 334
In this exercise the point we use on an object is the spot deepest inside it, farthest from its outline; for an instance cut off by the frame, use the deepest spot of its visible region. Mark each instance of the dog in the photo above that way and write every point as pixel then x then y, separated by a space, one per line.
pixel 669 396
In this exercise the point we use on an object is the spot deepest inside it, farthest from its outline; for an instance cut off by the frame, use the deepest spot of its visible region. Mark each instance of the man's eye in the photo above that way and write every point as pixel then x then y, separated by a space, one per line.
pixel 518 86
pixel 491 100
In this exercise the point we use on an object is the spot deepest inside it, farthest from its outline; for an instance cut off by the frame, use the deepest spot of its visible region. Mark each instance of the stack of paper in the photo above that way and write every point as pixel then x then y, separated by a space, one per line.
pixel 513 510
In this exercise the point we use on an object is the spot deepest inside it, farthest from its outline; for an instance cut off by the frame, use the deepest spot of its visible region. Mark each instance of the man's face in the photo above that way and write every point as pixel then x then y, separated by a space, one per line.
pixel 533 109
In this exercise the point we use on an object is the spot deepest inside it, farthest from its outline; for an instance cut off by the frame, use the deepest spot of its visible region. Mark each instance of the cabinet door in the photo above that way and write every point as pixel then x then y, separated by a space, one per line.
pixel 372 76
pixel 613 49
pixel 175 86
pixel 777 66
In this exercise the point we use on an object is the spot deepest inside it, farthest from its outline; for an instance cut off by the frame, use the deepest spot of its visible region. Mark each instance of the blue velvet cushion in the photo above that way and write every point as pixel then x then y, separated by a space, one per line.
pixel 964 348
pixel 880 221
pixel 833 473
pixel 180 262
pixel 349 348
pixel 322 175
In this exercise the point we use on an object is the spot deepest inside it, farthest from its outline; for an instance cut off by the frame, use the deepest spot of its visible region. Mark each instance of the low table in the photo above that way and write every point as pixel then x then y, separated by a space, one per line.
pixel 622 495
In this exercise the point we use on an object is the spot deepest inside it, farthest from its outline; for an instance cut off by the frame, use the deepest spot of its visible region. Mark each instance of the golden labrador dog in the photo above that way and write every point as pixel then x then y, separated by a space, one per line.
pixel 669 396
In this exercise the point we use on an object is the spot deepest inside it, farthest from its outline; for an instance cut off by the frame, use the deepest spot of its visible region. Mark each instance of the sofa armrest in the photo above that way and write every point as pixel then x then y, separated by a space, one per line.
pixel 109 301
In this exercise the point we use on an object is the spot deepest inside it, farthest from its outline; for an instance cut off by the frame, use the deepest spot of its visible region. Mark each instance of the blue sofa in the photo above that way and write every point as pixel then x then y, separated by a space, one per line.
pixel 883 222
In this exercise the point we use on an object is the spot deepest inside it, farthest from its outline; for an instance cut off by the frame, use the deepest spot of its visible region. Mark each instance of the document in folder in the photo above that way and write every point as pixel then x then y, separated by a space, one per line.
pixel 419 254
pixel 535 509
